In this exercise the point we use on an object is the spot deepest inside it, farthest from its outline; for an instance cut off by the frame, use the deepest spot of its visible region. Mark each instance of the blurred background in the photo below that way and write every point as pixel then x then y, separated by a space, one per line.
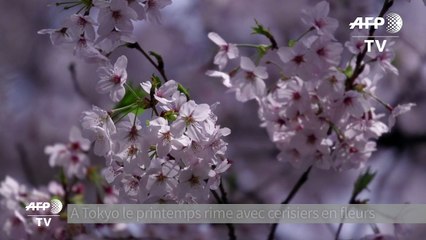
pixel 39 101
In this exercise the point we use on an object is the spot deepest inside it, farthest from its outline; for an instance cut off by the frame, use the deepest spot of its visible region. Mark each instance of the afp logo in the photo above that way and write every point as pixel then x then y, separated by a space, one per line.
pixel 54 207
pixel 393 22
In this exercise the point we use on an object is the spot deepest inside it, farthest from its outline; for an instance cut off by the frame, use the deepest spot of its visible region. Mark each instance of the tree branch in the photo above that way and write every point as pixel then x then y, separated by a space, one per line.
pixel 290 196
pixel 77 88
pixel 230 226
pixel 159 66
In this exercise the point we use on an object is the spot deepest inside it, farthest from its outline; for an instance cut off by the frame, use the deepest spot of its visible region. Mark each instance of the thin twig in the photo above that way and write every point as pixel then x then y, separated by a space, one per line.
pixel 23 157
pixel 224 200
pixel 77 87
pixel 159 67
pixel 216 196
pixel 290 196
pixel 223 193
pixel 339 229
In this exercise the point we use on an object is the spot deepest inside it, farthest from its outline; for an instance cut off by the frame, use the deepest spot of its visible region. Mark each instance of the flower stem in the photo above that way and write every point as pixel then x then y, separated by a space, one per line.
pixel 159 67
pixel 290 196
pixel 124 108
pixel 251 45
pixel 304 34
pixel 132 91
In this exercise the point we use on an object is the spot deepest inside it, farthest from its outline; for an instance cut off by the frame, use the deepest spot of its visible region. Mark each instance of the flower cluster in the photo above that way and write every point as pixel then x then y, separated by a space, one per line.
pixel 321 111
pixel 71 157
pixel 94 39
pixel 178 156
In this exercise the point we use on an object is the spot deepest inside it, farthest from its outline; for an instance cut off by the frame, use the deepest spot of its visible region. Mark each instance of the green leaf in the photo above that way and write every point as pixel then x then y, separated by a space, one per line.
pixel 183 90
pixel 133 95
pixel 129 96
pixel 87 3
pixel 259 29
pixel 170 116
pixel 262 50
pixel 292 43
pixel 348 71
pixel 363 181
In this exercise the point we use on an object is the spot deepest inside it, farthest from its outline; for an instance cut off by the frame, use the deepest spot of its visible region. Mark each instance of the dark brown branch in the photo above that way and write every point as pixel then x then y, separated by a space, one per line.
pixel 159 66
pixel 290 196
pixel 23 157
pixel 74 79
pixel 230 226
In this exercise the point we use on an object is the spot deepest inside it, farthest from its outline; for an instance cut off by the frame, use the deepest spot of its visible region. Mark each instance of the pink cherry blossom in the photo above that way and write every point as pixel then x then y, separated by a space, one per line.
pixel 113 79
pixel 226 50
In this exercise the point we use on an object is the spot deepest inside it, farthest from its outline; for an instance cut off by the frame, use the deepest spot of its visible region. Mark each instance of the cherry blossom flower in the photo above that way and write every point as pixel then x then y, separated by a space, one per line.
pixel 113 79
pixel 332 84
pixel 191 184
pixel 165 93
pixel 115 15
pixel 384 59
pixel 129 130
pixel 153 7
pixel 354 103
pixel 399 110
pixel 80 24
pixel 250 85
pixel 102 141
pixel 86 49
pixel 162 180
pixel 317 17
pixel 114 39
pixel 226 79
pixel 325 53
pixel 97 118
pixel 356 44
pixel 72 157
pixel 214 173
pixel 167 140
pixel 138 7
pixel 190 117
pixel 226 50
pixel 58 36
pixel 295 60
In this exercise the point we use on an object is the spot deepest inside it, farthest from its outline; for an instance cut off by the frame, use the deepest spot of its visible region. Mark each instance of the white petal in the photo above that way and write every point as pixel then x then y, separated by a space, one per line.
pixel 261 72
pixel 201 112
pixel 121 63
pixel 247 64
pixel 146 86
pixel 216 39
pixel 226 80
pixel 232 51
pixel 285 54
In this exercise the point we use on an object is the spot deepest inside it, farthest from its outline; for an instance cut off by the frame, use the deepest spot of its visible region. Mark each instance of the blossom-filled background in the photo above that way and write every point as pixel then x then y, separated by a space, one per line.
pixel 53 97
